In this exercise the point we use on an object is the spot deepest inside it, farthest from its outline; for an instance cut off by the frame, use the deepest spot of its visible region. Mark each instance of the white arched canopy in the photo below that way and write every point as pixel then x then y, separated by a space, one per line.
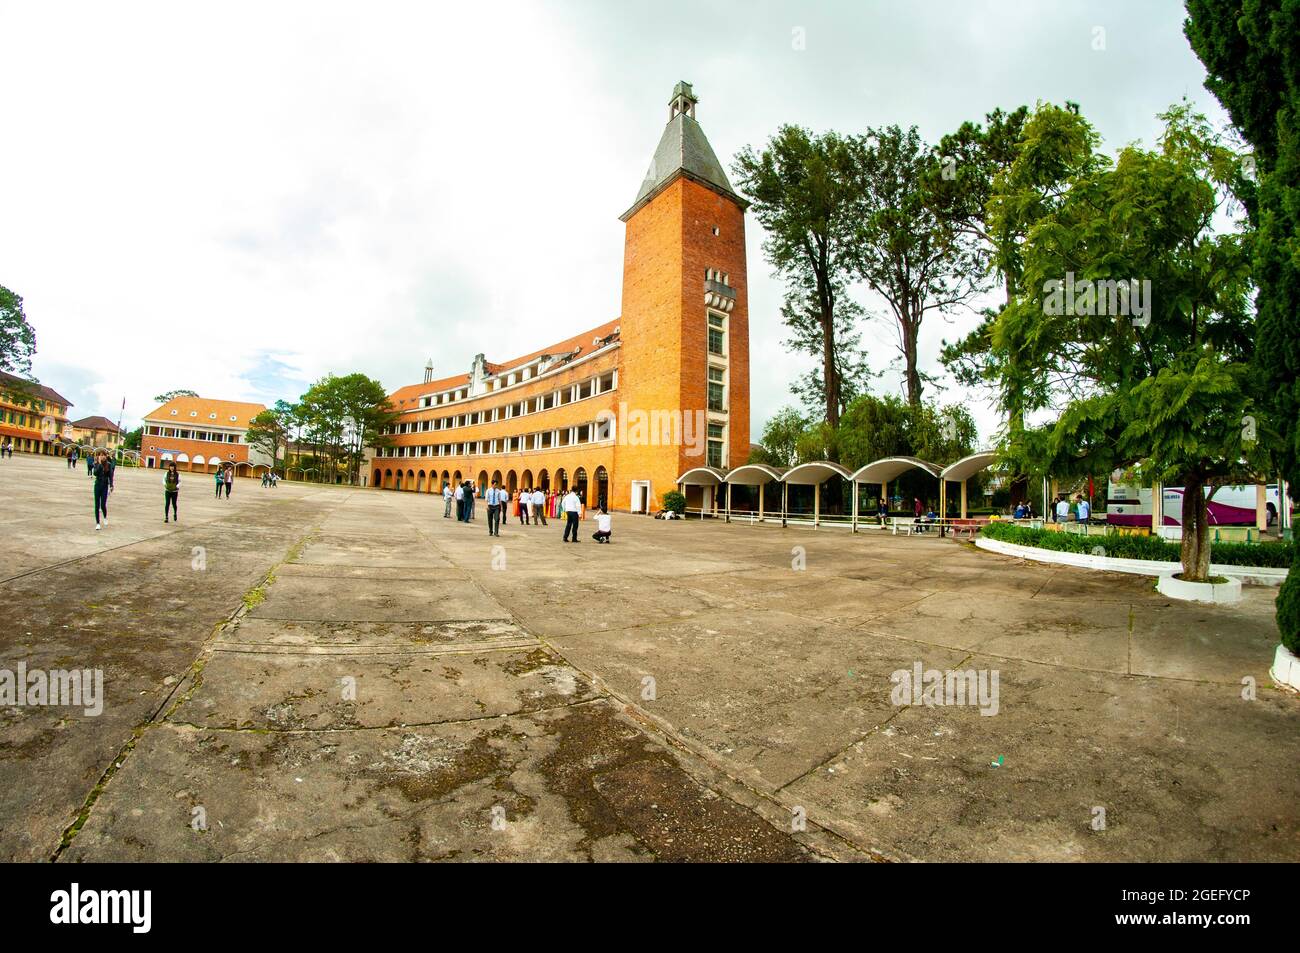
pixel 702 476
pixel 890 468
pixel 814 473
pixel 708 479
pixel 967 467
pixel 752 474
pixel 960 472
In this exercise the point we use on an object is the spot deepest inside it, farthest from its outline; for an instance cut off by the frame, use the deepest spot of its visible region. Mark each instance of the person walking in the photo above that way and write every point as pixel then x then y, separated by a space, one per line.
pixel 603 523
pixel 102 471
pixel 230 479
pixel 470 491
pixel 494 510
pixel 539 506
pixel 446 500
pixel 571 506
pixel 90 464
pixel 459 496
pixel 221 481
pixel 525 504
pixel 171 489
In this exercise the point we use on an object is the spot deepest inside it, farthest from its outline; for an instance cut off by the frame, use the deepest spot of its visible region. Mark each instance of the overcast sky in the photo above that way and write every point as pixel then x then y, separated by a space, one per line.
pixel 238 198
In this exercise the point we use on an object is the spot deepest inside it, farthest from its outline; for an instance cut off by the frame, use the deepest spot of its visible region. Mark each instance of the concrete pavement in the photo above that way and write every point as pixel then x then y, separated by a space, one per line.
pixel 323 673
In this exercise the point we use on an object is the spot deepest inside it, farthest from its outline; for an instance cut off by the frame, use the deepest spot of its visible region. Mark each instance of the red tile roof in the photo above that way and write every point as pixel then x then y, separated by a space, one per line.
pixel 96 423
pixel 580 342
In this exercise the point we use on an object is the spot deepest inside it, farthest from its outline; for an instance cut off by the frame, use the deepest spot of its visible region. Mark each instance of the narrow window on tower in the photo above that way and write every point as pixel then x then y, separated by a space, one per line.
pixel 715 445
pixel 717 335
pixel 717 389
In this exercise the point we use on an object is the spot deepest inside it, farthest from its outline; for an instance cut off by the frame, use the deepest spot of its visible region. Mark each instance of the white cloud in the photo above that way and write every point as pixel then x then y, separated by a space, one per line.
pixel 243 196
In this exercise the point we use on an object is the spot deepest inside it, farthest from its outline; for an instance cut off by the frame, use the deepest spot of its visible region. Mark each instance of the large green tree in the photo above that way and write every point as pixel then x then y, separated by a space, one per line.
pixel 806 194
pixel 339 417
pixel 780 438
pixel 912 255
pixel 269 430
pixel 17 338
pixel 1133 324
pixel 1251 52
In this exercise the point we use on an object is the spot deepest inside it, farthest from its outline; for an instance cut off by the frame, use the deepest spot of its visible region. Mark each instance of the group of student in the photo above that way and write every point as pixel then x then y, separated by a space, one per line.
pixel 529 505
pixel 7 448
pixel 1082 508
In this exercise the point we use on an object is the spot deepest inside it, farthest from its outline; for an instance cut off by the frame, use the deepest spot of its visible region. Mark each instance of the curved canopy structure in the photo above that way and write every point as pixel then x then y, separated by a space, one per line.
pixel 890 468
pixel 754 474
pixel 702 476
pixel 814 473
pixel 967 467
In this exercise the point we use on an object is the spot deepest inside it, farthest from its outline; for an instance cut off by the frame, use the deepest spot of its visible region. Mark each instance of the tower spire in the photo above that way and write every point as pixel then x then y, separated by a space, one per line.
pixel 683 150
pixel 683 101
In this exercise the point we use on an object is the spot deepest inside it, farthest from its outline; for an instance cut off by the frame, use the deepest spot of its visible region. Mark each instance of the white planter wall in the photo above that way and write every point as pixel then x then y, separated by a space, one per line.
pixel 1251 575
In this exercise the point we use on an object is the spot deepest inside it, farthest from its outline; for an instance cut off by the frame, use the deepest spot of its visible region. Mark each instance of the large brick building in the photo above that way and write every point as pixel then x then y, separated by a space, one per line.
pixel 618 411
pixel 201 434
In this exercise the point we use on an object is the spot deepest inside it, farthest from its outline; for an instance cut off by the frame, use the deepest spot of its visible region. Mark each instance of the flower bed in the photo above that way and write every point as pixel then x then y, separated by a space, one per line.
pixel 1270 555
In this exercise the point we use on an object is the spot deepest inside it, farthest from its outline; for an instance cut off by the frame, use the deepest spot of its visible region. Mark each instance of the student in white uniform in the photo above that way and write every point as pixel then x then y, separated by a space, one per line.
pixel 603 521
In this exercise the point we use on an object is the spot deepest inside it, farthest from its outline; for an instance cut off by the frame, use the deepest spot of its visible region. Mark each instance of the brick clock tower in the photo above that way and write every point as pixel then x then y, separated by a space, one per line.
pixel 685 320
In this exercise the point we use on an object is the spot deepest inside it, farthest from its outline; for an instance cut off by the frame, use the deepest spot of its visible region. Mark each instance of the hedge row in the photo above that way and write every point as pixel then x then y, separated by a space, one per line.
pixel 1279 555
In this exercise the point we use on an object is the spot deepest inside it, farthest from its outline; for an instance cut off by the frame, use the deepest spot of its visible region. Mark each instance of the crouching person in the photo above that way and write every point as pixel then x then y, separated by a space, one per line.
pixel 602 533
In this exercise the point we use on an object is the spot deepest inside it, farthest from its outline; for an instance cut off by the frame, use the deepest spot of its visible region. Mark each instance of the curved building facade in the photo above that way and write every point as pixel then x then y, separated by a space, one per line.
pixel 617 411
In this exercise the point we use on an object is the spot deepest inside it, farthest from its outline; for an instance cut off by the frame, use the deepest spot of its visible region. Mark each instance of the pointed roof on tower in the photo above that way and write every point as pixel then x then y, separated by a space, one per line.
pixel 683 151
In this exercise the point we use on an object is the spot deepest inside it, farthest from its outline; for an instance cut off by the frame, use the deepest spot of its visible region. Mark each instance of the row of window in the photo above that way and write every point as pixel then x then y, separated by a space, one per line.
pixel 514 376
pixel 542 440
pixel 211 416
pixel 35 403
pixel 582 390
pixel 18 420
pixel 179 434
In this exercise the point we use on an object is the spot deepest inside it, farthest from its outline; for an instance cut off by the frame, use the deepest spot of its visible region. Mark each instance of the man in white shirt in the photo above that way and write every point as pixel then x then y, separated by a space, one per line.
pixel 1083 507
pixel 1063 510
pixel 539 507
pixel 494 511
pixel 602 533
pixel 460 504
pixel 570 504
pixel 446 499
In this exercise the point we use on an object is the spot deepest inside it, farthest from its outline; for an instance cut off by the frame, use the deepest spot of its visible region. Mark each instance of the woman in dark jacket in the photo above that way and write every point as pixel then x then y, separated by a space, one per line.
pixel 171 490
pixel 102 471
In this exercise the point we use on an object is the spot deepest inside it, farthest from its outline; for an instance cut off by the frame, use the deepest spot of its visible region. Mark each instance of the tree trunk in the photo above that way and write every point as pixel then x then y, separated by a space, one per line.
pixel 910 335
pixel 1195 551
pixel 830 374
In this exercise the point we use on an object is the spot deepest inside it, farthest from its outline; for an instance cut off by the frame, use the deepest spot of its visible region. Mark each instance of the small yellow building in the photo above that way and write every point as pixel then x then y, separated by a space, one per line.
pixel 97 432
pixel 34 417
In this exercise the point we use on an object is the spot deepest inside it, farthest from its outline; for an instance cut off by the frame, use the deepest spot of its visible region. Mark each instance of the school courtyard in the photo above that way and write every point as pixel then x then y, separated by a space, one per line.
pixel 321 673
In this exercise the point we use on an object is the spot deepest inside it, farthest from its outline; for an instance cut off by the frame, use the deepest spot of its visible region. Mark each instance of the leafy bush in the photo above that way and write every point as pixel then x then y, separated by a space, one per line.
pixel 675 501
pixel 1288 607
pixel 1277 555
